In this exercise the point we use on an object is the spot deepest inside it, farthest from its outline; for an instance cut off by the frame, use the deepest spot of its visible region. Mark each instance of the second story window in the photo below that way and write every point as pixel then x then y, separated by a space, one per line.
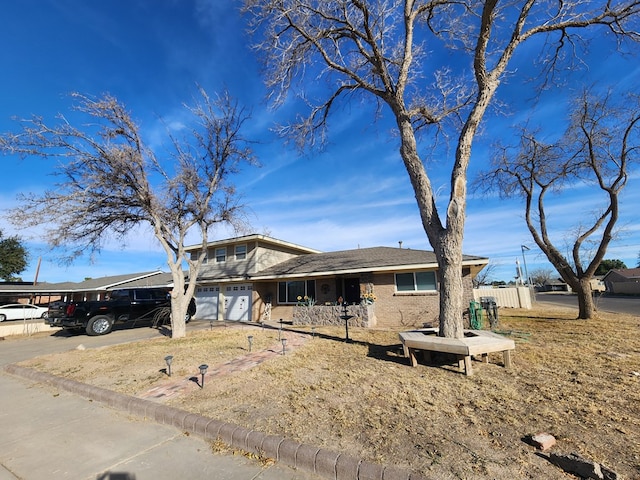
pixel 241 252
pixel 221 255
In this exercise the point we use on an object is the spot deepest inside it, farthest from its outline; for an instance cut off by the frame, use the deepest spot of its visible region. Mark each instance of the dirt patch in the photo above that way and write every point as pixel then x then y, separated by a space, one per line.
pixel 577 380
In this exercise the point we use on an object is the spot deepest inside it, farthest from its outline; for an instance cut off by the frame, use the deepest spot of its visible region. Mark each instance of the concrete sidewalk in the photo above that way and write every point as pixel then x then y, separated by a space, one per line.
pixel 49 433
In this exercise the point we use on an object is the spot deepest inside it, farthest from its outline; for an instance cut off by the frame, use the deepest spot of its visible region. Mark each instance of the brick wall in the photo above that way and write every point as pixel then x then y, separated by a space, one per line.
pixel 406 310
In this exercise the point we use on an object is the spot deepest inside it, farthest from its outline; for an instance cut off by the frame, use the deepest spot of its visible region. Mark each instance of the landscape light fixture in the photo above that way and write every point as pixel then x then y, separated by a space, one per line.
pixel 168 359
pixel 280 331
pixel 250 338
pixel 284 345
pixel 313 332
pixel 203 370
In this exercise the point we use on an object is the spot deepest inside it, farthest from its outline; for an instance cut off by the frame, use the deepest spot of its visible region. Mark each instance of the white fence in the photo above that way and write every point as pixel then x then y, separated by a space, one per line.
pixel 515 297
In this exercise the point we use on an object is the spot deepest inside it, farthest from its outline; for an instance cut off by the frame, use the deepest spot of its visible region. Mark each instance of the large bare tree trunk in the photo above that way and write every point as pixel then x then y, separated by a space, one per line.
pixel 451 294
pixel 179 305
pixel 447 243
pixel 179 301
pixel 586 306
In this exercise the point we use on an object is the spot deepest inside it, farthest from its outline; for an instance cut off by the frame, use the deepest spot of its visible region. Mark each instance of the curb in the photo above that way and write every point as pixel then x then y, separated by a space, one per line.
pixel 324 463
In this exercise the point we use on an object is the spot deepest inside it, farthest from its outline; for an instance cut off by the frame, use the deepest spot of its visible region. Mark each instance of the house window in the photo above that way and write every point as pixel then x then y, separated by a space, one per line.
pixel 221 254
pixel 241 252
pixel 416 282
pixel 288 292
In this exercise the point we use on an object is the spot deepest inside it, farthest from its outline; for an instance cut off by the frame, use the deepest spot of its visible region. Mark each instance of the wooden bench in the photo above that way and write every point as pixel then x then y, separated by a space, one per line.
pixel 474 343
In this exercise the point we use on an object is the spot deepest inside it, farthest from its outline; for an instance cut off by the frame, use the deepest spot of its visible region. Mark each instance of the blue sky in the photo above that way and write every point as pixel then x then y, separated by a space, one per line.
pixel 355 193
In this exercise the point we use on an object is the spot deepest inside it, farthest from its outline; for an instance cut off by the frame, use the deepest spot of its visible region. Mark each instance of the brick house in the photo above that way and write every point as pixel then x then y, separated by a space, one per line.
pixel 625 281
pixel 255 277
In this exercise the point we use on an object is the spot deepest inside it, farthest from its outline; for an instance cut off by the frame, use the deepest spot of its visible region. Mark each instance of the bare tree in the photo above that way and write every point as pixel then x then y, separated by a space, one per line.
pixel 111 181
pixel 485 276
pixel 602 140
pixel 388 50
pixel 542 276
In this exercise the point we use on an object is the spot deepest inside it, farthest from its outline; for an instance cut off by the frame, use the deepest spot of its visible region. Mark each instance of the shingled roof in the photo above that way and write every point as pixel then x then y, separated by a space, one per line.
pixel 628 273
pixel 357 261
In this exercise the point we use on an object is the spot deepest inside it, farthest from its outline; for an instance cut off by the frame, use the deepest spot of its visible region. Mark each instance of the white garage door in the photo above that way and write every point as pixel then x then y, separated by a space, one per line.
pixel 207 303
pixel 237 302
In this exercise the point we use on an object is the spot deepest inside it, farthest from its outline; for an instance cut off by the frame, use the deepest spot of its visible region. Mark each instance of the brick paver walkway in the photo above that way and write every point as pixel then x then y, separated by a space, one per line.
pixel 162 393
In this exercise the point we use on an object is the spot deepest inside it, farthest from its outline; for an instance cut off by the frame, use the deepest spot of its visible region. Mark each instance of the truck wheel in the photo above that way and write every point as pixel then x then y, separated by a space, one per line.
pixel 100 325
pixel 187 318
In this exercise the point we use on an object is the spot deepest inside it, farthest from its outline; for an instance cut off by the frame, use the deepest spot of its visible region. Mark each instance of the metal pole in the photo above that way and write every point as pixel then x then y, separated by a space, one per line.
pixel 524 260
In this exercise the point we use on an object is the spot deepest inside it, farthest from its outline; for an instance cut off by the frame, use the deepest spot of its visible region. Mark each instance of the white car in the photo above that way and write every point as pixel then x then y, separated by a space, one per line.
pixel 19 311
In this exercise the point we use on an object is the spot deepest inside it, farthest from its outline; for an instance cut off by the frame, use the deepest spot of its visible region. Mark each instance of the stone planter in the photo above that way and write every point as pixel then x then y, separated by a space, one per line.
pixel 363 315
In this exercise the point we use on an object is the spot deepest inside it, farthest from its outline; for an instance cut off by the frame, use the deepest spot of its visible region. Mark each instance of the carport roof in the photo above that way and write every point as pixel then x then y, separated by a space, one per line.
pixel 131 280
pixel 374 259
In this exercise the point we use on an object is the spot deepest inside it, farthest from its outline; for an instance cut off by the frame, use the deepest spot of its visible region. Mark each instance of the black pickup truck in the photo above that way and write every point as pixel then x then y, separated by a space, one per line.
pixel 98 317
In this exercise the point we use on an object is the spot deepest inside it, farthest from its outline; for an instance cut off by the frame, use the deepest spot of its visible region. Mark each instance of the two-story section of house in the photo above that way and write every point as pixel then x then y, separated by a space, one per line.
pixel 225 289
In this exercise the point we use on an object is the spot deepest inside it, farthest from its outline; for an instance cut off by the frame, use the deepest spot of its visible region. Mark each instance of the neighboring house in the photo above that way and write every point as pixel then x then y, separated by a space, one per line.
pixel 623 281
pixel 256 277
pixel 43 293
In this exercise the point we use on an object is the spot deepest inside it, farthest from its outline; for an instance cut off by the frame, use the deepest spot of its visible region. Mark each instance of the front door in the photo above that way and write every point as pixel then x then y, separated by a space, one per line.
pixel 352 290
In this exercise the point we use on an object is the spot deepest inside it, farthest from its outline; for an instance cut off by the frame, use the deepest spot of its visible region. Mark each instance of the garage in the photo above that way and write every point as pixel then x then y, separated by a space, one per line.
pixel 207 302
pixel 237 302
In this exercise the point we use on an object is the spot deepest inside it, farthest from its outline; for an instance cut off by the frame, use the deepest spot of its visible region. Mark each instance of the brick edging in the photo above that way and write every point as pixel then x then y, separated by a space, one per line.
pixel 324 463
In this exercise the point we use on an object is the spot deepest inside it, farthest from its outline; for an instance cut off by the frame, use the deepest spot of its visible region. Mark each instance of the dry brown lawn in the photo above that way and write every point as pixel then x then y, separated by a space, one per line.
pixel 577 380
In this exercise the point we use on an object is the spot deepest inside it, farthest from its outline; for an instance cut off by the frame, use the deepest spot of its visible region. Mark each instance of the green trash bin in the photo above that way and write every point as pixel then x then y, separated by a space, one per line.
pixel 475 316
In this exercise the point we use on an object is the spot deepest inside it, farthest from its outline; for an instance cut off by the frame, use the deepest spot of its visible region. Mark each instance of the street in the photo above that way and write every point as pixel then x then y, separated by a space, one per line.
pixel 628 305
